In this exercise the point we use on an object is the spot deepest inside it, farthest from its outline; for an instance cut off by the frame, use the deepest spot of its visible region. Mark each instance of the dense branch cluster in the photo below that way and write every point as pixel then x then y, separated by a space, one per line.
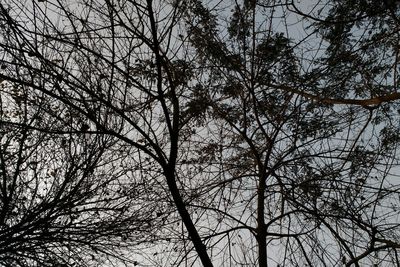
pixel 185 133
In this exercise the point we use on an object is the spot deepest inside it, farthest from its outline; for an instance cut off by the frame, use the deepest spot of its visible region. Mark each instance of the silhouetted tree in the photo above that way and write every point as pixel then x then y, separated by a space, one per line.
pixel 303 129
pixel 234 133
pixel 65 199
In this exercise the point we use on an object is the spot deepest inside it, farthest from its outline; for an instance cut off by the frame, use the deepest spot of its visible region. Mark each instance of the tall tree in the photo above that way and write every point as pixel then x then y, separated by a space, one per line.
pixel 304 129
pixel 269 129
pixel 111 68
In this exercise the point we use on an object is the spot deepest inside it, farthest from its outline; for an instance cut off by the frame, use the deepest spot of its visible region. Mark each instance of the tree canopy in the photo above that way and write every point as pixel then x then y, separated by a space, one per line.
pixel 199 133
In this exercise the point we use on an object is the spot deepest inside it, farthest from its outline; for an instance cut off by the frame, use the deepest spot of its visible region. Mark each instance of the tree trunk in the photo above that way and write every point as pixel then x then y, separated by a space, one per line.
pixel 261 231
pixel 180 205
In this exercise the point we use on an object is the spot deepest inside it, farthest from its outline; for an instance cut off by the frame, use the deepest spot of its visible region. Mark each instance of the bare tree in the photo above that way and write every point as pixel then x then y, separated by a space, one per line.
pixel 110 68
pixel 302 125
pixel 65 201
pixel 267 129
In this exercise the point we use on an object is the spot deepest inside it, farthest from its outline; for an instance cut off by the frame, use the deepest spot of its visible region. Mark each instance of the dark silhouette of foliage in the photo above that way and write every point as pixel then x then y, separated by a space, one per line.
pixel 181 133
